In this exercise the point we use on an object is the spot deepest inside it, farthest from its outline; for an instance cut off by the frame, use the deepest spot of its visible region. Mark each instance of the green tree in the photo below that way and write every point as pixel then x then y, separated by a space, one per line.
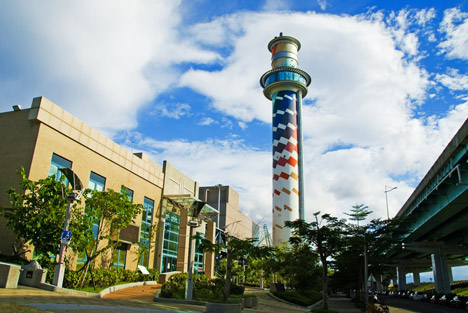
pixel 37 215
pixel 112 212
pixel 325 235
pixel 236 250
pixel 371 241
pixel 359 212
pixel 299 266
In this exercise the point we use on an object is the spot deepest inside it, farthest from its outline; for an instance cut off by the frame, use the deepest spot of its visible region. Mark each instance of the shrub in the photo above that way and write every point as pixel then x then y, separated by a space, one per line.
pixel 304 298
pixel 237 289
pixel 174 287
pixel 106 278
pixel 203 288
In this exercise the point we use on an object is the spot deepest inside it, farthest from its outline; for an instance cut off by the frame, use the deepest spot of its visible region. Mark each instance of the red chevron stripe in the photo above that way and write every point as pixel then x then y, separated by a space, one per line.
pixel 277 192
pixel 275 177
pixel 291 161
pixel 282 162
pixel 290 147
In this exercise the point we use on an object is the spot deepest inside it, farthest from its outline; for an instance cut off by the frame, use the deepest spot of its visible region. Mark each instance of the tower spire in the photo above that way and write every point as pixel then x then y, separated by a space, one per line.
pixel 285 84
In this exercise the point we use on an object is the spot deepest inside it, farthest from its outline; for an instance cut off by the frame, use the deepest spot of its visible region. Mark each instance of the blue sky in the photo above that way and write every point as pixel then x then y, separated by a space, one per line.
pixel 179 81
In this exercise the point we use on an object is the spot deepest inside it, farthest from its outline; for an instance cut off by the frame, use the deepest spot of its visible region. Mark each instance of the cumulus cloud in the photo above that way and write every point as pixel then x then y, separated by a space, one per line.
pixel 363 96
pixel 453 80
pixel 108 59
pixel 323 4
pixel 102 60
pixel 206 121
pixel 455 28
pixel 275 5
pixel 172 110
pixel 230 162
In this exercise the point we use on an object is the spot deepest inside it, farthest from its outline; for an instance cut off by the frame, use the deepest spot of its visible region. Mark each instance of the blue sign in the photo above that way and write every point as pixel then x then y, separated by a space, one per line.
pixel 66 236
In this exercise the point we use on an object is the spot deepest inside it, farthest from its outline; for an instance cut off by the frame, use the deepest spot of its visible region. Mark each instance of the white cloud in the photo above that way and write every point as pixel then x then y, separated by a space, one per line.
pixel 455 27
pixel 207 121
pixel 273 5
pixel 229 162
pixel 172 110
pixel 453 80
pixel 323 4
pixel 364 94
pixel 101 60
pixel 424 16
pixel 115 57
pixel 242 125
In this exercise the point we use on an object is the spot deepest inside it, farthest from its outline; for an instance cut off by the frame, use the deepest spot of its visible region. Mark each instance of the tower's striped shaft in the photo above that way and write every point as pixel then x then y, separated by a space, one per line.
pixel 285 85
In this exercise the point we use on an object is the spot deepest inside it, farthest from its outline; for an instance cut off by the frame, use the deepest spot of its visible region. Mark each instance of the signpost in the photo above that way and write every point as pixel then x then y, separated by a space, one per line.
pixel 66 234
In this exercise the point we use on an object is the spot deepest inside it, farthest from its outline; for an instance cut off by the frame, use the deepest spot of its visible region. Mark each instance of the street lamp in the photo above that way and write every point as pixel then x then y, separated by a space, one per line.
pixel 72 196
pixel 387 190
pixel 192 224
pixel 219 186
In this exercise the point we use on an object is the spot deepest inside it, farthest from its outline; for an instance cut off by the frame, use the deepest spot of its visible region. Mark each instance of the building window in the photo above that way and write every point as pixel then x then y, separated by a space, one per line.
pixel 146 221
pixel 127 192
pixel 57 163
pixel 119 255
pixel 96 182
pixel 199 256
pixel 171 241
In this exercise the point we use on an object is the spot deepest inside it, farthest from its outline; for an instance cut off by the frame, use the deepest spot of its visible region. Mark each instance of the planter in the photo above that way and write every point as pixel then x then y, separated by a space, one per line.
pixel 248 302
pixel 254 302
pixel 223 307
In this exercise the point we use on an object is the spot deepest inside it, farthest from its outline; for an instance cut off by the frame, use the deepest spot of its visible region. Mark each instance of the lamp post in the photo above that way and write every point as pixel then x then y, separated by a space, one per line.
pixel 192 224
pixel 72 196
pixel 219 186
pixel 387 190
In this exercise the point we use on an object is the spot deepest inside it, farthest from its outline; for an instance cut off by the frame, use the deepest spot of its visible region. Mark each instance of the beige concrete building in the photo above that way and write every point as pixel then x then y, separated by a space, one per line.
pixel 226 200
pixel 45 137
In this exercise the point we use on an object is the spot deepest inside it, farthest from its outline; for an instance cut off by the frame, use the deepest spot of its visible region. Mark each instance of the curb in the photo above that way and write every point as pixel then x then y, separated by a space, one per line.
pixel 178 301
pixel 103 292
pixel 124 286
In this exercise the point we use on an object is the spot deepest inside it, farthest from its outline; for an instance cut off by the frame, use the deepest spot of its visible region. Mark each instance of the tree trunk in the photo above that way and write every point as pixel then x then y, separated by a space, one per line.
pixel 324 282
pixel 227 284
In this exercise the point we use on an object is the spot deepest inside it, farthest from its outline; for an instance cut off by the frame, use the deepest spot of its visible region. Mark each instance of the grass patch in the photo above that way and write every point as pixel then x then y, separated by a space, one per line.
pixel 423 287
pixel 19 308
pixel 304 298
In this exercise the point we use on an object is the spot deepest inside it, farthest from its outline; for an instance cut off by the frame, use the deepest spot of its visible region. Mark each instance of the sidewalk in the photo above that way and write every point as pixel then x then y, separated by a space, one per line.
pixel 340 303
pixel 139 299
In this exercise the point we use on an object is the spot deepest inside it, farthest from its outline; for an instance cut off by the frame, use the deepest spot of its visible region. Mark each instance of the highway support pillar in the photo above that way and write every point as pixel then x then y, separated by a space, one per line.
pixel 416 278
pixel 441 272
pixel 401 276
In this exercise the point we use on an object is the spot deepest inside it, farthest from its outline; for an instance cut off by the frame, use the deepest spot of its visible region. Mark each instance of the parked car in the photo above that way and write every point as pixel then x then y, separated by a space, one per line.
pixel 426 297
pixel 417 296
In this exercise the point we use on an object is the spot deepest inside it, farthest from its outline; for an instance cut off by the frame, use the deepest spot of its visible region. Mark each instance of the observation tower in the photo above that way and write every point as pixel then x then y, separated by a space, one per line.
pixel 285 85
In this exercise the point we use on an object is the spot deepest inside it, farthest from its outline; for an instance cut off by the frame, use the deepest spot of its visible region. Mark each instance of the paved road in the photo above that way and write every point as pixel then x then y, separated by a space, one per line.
pixel 132 300
pixel 398 305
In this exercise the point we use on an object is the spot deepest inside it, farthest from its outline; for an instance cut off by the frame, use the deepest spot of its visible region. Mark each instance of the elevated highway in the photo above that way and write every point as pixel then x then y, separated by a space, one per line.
pixel 436 215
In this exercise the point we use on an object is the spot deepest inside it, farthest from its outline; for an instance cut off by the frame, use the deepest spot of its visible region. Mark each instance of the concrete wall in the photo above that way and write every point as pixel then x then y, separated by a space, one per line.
pixel 32 136
pixel 177 183
pixel 231 219
pixel 17 148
